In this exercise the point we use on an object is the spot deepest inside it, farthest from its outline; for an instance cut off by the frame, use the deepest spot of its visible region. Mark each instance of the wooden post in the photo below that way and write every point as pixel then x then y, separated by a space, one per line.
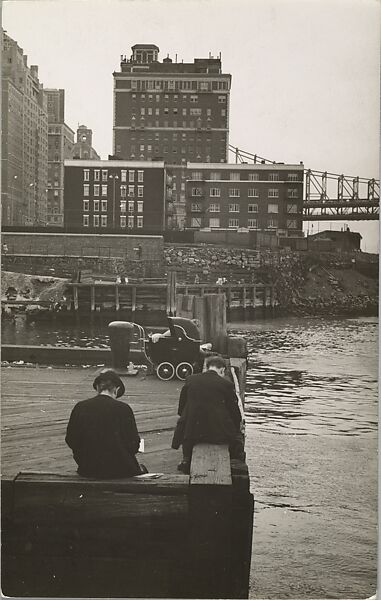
pixel 216 331
pixel 244 297
pixel 210 516
pixel 171 293
pixel 199 311
pixel 254 295
pixel 229 296
pixel 75 294
pixel 133 302
pixel 117 297
pixel 272 296
pixel 92 298
pixel 264 297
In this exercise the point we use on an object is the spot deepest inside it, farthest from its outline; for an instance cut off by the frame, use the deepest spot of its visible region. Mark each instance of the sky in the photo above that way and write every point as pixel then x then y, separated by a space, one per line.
pixel 305 73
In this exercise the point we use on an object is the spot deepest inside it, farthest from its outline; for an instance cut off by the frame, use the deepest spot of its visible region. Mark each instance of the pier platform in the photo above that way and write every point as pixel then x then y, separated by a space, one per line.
pixel 37 402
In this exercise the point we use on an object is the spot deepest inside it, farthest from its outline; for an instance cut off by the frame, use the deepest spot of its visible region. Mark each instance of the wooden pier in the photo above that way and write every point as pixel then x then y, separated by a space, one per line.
pixel 64 536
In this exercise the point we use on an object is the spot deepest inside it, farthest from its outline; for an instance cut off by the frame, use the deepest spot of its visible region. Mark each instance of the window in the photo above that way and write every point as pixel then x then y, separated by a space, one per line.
pixel 233 193
pixel 252 208
pixel 96 189
pixel 123 206
pixel 252 223
pixel 253 176
pixel 272 208
pixel 233 222
pixel 184 112
pixel 130 222
pixel 216 192
pixel 215 175
pixel 253 193
pixel 195 112
pixel 97 175
pixel 171 84
pixel 131 174
pixel 157 111
pixel 131 206
pixel 233 207
pixel 131 191
pixel 85 221
pixel 104 174
pixel 85 205
pixel 291 224
pixel 166 110
pixel 292 177
pixel 96 220
pixel 123 175
pixel 272 223
pixel 140 205
pixel 292 208
pixel 104 221
pixel 96 205
pixel 86 175
pixel 197 176
pixel 140 191
pixel 139 221
pixel 273 176
pixel 140 176
pixel 193 98
pixel 222 99
pixel 104 190
pixel 123 191
pixel 196 192
pixel 196 222
pixel 273 193
pixel 86 189
pixel 214 207
pixel 214 222
pixel 223 112
pixel 234 176
pixel 104 205
pixel 196 207
pixel 123 221
pixel 292 193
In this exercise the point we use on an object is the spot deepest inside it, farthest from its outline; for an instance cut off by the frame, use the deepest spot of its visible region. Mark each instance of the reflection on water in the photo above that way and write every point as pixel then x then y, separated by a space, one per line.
pixel 311 413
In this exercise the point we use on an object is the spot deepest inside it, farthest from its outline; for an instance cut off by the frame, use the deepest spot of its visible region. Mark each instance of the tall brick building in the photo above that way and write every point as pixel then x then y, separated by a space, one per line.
pixel 60 147
pixel 113 195
pixel 264 197
pixel 171 111
pixel 24 124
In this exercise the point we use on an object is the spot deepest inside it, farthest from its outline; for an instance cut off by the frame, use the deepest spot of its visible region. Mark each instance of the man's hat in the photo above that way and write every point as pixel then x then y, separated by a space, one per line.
pixel 110 375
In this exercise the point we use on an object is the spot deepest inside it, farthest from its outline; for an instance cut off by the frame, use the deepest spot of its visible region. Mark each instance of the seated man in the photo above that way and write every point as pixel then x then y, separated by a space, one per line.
pixel 102 432
pixel 209 412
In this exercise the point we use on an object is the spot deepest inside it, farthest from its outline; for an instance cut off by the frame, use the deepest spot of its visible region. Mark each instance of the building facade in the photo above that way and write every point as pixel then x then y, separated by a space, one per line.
pixel 83 148
pixel 263 197
pixel 116 196
pixel 24 139
pixel 60 147
pixel 171 111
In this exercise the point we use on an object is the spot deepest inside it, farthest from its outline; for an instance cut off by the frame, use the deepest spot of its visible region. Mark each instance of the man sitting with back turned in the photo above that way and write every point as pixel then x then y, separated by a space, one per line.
pixel 102 432
pixel 209 412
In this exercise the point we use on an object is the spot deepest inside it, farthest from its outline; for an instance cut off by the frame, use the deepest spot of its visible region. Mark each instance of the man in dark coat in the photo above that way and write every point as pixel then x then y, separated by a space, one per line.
pixel 102 432
pixel 209 412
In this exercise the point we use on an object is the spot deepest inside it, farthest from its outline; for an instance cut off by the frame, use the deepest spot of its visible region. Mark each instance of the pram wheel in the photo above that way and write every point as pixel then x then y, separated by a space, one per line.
pixel 183 370
pixel 165 371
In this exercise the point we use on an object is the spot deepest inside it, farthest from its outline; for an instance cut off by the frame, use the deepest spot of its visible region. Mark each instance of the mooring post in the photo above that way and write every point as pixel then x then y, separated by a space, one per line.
pixel 216 329
pixel 92 298
pixel 120 333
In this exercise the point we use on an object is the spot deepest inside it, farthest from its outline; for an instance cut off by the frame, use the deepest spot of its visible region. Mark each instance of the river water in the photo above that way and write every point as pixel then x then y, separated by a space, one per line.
pixel 311 422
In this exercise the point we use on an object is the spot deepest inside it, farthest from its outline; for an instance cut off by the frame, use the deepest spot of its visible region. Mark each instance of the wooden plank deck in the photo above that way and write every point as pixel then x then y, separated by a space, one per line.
pixel 36 405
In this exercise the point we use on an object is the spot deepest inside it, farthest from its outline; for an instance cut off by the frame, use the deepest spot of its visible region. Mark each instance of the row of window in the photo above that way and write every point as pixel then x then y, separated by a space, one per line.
pixel 105 175
pixel 174 84
pixel 272 223
pixel 124 221
pixel 164 149
pixel 236 176
pixel 103 204
pixel 251 208
pixel 251 193
pixel 193 112
pixel 104 189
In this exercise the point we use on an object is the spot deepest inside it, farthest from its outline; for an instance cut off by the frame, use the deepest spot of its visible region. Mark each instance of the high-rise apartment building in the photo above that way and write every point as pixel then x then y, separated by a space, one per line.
pixel 83 148
pixel 60 147
pixel 24 123
pixel 171 111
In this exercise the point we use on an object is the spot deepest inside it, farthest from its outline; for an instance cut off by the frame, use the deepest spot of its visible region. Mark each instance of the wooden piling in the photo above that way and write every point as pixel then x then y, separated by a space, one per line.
pixel 92 298
pixel 117 304
pixel 75 296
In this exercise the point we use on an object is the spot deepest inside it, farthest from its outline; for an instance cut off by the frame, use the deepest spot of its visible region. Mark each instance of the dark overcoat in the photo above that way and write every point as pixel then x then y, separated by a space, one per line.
pixel 103 436
pixel 208 409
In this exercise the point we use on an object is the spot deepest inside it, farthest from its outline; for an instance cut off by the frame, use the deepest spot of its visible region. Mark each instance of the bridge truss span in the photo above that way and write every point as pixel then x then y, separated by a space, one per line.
pixel 329 196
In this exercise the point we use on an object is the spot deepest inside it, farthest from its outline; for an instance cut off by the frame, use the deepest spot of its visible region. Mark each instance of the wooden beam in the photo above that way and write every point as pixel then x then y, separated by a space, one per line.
pixel 75 293
pixel 210 465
